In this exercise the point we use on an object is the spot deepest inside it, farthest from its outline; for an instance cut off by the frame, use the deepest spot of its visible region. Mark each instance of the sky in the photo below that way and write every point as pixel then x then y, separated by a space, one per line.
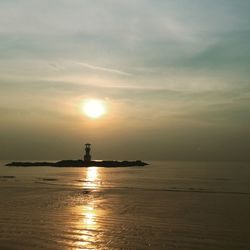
pixel 174 75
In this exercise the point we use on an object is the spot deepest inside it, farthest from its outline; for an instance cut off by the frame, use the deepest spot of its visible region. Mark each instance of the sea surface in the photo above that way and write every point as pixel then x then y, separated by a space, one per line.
pixel 166 205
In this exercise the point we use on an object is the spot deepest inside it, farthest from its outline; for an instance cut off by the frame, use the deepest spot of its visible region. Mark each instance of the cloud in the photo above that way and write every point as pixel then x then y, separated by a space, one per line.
pixel 94 67
pixel 69 64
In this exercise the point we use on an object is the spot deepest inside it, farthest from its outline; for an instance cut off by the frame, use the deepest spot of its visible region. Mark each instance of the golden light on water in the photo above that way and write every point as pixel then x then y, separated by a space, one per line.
pixel 94 108
pixel 88 224
pixel 92 174
pixel 92 178
pixel 92 181
pixel 88 214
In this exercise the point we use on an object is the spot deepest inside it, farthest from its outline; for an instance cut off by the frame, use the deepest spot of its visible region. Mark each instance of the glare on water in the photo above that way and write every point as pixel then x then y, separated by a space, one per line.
pixel 92 178
pixel 88 223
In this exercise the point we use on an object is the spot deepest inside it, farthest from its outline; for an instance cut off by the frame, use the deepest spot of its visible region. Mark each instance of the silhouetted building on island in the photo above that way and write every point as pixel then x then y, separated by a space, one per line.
pixel 87 156
pixel 86 162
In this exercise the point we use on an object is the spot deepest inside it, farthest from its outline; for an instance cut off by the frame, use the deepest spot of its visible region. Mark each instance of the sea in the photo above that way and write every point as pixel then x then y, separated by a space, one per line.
pixel 165 205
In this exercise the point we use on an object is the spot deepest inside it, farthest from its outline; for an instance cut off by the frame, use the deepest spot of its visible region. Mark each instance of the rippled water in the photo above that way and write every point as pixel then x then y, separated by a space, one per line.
pixel 166 205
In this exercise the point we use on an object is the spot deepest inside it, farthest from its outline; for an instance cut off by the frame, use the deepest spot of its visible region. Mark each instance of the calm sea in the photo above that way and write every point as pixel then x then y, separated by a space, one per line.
pixel 166 205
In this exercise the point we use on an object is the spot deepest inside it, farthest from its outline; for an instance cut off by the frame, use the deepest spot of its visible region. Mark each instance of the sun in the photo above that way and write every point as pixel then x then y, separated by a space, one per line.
pixel 94 108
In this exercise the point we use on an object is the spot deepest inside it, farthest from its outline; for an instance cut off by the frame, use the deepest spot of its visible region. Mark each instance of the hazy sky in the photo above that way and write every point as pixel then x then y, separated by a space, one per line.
pixel 175 75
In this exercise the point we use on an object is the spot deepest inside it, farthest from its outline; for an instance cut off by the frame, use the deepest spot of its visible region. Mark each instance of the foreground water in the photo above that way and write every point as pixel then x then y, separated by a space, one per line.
pixel 166 205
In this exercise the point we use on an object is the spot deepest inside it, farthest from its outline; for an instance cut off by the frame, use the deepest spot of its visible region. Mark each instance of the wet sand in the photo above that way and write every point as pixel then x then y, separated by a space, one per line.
pixel 163 206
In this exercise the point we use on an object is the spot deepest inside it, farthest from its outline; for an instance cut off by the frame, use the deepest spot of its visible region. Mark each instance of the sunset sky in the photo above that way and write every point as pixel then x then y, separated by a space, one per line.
pixel 174 76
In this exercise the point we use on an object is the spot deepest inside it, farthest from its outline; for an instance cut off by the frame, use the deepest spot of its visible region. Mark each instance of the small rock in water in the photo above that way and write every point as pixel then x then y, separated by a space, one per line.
pixel 7 176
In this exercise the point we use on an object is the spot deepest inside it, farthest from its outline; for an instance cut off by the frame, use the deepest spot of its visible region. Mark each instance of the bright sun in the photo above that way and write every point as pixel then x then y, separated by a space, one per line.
pixel 94 108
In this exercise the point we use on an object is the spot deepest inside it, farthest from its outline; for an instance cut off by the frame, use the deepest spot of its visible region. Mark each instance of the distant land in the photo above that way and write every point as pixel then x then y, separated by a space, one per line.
pixel 79 163
pixel 86 162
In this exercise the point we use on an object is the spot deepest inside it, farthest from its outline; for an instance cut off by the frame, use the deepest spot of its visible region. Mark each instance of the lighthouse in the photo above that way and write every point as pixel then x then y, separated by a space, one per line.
pixel 87 156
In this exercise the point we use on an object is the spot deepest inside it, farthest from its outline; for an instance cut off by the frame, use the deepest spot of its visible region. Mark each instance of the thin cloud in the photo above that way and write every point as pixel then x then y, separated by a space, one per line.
pixel 68 64
pixel 110 70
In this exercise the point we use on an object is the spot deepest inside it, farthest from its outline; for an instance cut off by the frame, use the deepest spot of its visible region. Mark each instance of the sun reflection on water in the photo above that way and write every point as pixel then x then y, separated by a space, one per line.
pixel 88 213
pixel 92 178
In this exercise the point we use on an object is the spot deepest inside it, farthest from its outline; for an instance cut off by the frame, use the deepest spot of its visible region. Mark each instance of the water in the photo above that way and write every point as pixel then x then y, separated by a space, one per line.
pixel 166 205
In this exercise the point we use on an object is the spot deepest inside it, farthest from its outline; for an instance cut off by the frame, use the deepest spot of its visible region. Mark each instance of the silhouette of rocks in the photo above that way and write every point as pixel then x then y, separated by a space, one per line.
pixel 79 163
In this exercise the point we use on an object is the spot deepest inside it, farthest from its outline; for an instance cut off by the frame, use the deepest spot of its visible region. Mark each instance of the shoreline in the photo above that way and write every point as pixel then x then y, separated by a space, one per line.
pixel 79 163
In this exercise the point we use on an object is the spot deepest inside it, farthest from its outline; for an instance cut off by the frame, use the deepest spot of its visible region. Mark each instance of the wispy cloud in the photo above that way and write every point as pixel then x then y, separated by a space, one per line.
pixel 109 70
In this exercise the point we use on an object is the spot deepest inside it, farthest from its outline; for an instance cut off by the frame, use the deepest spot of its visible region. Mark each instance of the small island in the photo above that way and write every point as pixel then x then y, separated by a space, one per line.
pixel 86 162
